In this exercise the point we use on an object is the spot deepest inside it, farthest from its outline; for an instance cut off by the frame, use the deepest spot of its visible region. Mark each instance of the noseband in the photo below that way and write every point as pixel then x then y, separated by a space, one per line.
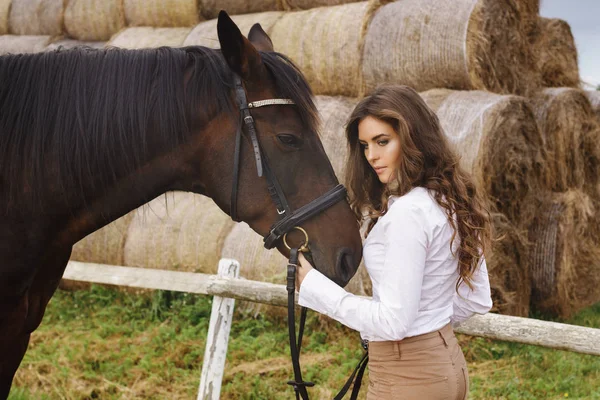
pixel 288 221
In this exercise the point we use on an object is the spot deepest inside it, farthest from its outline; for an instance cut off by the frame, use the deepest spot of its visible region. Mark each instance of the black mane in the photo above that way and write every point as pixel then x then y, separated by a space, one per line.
pixel 84 116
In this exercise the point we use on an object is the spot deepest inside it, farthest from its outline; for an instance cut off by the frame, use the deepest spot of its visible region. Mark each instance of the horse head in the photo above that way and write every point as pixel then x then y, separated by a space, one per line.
pixel 289 150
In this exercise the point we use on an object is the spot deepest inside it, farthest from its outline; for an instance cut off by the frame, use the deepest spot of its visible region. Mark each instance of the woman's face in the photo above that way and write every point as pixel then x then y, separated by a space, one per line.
pixel 381 145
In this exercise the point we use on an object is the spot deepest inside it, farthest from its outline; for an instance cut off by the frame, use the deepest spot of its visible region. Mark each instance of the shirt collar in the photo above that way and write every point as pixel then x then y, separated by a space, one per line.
pixel 391 200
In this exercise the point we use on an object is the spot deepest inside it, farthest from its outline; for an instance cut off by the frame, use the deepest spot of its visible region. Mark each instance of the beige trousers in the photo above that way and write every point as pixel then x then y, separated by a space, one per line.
pixel 425 367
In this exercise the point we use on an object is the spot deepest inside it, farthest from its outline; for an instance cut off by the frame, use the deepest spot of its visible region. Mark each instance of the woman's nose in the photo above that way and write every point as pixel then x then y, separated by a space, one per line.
pixel 371 154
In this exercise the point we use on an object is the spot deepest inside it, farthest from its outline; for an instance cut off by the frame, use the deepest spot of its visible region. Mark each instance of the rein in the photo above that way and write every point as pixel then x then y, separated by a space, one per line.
pixel 288 221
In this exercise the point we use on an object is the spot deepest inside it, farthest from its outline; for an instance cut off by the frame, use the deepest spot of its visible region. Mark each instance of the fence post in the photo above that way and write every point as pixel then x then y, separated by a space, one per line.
pixel 215 353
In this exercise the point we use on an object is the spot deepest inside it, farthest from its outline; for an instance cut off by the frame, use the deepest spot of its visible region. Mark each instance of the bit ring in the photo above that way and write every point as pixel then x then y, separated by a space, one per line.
pixel 304 247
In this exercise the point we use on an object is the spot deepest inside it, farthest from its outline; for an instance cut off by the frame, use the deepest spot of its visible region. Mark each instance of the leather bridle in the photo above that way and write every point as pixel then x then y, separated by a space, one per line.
pixel 288 218
pixel 288 221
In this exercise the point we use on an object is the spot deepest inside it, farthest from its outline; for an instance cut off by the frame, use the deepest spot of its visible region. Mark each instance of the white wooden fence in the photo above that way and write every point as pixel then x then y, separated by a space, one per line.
pixel 227 286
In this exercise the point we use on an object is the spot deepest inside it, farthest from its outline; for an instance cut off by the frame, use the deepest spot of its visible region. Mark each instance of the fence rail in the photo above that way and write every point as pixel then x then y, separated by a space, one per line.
pixel 495 326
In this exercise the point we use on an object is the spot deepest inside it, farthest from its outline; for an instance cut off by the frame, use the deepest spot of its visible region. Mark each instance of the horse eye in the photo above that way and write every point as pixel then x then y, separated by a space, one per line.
pixel 289 140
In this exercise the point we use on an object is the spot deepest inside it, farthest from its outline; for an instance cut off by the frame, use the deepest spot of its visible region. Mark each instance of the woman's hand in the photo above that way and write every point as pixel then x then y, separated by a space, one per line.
pixel 303 268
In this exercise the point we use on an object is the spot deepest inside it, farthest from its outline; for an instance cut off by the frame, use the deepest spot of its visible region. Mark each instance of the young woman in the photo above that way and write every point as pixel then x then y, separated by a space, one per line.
pixel 427 233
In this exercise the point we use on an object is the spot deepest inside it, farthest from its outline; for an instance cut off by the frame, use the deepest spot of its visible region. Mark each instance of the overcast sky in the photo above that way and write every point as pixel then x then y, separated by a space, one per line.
pixel 584 18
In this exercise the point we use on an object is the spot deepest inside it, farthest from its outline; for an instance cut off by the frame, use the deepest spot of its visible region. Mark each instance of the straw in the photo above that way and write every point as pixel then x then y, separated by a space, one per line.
pixel 205 33
pixel 565 258
pixel 145 37
pixel 16 44
pixel 94 20
pixel 36 17
pixel 210 8
pixel 570 131
pixel 162 13
pixel 179 231
pixel 554 44
pixel 326 43
pixel 4 13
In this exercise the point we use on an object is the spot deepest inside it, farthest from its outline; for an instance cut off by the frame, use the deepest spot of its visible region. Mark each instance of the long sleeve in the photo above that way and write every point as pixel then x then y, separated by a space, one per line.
pixel 399 289
pixel 477 301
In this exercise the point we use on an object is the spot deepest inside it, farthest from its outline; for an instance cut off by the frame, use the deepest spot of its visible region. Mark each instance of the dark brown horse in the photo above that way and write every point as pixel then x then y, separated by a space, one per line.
pixel 89 135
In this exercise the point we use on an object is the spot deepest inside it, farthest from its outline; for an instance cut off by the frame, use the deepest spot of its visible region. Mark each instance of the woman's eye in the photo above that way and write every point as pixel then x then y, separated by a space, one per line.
pixel 383 142
pixel 289 140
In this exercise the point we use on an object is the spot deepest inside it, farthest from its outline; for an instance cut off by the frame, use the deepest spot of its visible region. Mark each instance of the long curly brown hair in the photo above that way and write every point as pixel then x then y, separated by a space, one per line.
pixel 427 161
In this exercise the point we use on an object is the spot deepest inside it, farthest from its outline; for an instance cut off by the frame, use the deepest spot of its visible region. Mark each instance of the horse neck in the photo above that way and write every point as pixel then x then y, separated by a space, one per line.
pixel 128 193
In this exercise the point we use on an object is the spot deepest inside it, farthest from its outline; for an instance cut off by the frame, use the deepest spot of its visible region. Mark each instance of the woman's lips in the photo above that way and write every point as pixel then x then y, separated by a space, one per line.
pixel 379 170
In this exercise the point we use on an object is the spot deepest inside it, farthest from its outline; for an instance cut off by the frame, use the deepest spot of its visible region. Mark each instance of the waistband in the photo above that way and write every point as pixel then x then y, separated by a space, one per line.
pixel 443 335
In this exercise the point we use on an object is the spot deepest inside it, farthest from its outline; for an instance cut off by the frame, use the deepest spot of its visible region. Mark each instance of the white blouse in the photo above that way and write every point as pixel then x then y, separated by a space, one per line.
pixel 408 257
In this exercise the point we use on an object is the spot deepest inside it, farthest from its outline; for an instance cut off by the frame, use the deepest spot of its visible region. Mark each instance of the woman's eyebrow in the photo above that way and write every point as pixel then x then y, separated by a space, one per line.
pixel 375 137
pixel 379 136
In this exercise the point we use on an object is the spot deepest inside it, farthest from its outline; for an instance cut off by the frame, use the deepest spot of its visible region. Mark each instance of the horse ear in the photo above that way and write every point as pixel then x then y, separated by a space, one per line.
pixel 239 53
pixel 259 38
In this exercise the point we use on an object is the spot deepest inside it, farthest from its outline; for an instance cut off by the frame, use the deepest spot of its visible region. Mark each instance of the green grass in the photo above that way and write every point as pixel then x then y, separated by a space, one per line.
pixel 108 344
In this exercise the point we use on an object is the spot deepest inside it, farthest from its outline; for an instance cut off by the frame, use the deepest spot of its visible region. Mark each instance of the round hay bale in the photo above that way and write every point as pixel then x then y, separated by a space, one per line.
pixel 145 37
pixel 565 256
pixel 94 20
pixel 594 98
pixel 556 52
pixel 499 144
pixel 326 43
pixel 308 4
pixel 36 17
pixel 256 262
pixel 210 8
pixel 17 44
pixel 205 33
pixel 529 11
pixel 462 44
pixel 334 113
pixel 161 13
pixel 70 44
pixel 106 245
pixel 4 13
pixel 570 132
pixel 508 268
pixel 182 231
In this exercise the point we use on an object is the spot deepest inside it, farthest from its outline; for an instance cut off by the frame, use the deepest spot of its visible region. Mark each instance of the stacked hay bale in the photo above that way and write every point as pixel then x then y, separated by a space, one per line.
pixel 565 234
pixel 36 17
pixel 334 113
pixel 594 98
pixel 210 8
pixel 105 246
pixel 465 44
pixel 499 144
pixel 4 11
pixel 145 37
pixel 14 44
pixel 556 53
pixel 162 13
pixel 571 134
pixel 529 11
pixel 179 231
pixel 565 254
pixel 327 45
pixel 94 20
pixel 308 4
